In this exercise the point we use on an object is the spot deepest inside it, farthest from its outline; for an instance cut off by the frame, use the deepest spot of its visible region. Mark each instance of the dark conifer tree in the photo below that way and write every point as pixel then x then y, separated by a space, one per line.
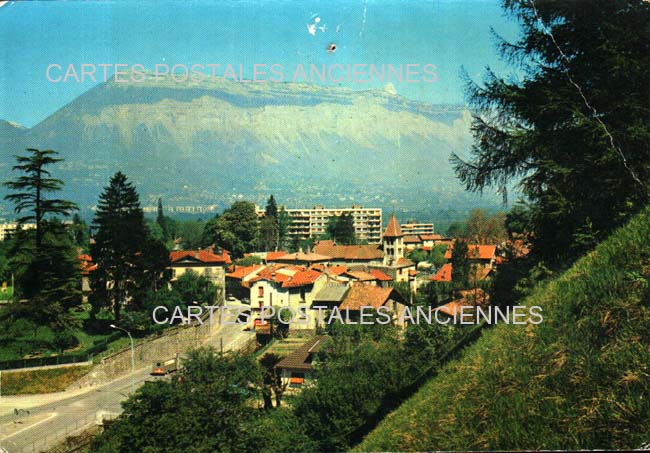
pixel 120 245
pixel 32 187
pixel 161 220
pixel 44 259
pixel 573 126
pixel 460 264
pixel 271 208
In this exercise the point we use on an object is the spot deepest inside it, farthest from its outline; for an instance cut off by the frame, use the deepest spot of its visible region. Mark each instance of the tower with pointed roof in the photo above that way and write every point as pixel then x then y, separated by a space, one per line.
pixel 393 242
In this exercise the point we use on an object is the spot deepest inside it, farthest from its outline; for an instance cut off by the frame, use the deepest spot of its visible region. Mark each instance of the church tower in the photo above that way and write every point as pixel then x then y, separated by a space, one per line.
pixel 393 242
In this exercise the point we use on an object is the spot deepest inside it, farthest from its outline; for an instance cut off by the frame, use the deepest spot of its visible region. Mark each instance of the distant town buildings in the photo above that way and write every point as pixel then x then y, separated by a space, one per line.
pixel 307 223
pixel 7 229
pixel 182 209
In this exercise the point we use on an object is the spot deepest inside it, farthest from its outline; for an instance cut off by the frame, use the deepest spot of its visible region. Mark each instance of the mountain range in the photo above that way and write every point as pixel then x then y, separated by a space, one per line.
pixel 208 143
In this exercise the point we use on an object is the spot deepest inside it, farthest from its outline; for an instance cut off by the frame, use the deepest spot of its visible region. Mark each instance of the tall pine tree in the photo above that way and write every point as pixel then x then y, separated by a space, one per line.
pixel 120 247
pixel 163 222
pixel 573 128
pixel 32 187
pixel 44 259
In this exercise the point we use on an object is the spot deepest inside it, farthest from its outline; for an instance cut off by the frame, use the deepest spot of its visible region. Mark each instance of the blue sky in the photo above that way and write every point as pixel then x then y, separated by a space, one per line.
pixel 447 33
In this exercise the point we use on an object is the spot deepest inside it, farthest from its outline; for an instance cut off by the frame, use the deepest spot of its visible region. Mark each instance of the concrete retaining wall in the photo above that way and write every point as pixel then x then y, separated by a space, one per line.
pixel 172 341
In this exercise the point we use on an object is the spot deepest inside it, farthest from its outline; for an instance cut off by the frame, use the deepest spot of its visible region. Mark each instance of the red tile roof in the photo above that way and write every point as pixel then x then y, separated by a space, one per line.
pixel 412 240
pixel 86 265
pixel 379 275
pixel 361 276
pixel 300 276
pixel 404 262
pixel 368 296
pixel 468 298
pixel 270 273
pixel 242 271
pixel 336 270
pixel 482 252
pixel 204 256
pixel 270 256
pixel 443 274
pixel 393 230
pixel 302 257
pixel 431 237
pixel 367 252
pixel 451 309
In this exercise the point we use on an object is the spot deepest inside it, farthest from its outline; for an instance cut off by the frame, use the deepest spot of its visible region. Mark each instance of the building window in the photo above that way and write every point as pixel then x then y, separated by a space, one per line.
pixel 260 291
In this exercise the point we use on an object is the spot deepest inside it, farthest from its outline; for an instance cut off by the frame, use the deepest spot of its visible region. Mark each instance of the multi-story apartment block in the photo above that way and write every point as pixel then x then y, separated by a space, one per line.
pixel 414 229
pixel 312 222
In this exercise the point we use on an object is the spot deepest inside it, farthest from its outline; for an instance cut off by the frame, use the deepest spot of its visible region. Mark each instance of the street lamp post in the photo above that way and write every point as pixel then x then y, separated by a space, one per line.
pixel 113 326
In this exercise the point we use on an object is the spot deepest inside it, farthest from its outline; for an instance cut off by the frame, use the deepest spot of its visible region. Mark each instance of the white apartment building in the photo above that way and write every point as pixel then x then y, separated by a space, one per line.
pixel 414 229
pixel 312 222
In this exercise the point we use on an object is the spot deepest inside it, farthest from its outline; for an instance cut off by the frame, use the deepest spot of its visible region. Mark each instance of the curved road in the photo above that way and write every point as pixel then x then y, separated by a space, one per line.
pixel 41 426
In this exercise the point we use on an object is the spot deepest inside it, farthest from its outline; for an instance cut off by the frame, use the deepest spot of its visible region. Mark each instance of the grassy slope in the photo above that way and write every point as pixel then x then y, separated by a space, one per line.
pixel 581 379
pixel 41 381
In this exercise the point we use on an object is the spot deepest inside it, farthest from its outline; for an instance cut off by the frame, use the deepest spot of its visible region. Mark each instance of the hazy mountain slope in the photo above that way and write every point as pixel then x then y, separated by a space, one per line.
pixel 190 141
pixel 578 380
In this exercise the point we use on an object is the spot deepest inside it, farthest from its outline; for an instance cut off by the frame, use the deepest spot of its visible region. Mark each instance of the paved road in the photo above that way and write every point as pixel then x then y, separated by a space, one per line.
pixel 49 423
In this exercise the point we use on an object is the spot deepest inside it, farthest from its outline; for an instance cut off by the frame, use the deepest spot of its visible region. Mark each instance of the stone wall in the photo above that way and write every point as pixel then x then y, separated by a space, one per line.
pixel 172 341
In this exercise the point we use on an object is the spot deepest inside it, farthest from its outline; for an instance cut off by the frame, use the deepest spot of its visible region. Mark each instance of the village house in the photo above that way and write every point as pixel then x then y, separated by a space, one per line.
pixel 237 280
pixel 205 262
pixel 349 299
pixel 484 255
pixel 412 242
pixel 280 285
pixel 425 242
pixel 483 259
pixel 372 296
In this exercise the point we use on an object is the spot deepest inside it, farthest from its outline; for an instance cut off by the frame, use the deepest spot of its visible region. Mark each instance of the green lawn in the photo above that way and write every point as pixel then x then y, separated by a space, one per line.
pixel 32 342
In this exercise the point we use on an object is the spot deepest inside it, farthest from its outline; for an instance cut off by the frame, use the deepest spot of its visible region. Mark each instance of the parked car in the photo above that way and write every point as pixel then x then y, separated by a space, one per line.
pixel 164 368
